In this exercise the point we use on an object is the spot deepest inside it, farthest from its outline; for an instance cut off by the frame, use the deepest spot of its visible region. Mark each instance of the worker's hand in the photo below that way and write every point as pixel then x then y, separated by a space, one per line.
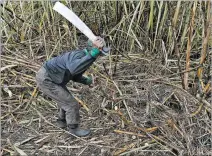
pixel 99 43
pixel 96 46
pixel 88 80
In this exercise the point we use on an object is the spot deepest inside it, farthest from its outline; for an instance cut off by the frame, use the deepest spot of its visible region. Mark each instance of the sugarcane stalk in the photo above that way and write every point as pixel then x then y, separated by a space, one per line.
pixel 188 51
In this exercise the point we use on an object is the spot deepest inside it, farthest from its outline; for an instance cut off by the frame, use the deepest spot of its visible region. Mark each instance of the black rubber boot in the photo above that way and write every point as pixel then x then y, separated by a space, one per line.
pixel 74 129
pixel 61 123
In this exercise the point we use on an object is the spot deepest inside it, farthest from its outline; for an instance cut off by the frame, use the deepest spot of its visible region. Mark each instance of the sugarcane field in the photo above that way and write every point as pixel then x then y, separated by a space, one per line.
pixel 106 78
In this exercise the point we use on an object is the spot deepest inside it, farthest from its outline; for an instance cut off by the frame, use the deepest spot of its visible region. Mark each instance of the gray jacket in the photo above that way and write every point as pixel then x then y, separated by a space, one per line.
pixel 69 66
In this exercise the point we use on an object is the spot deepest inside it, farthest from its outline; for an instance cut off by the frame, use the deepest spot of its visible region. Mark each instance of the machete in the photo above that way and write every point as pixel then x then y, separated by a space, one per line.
pixel 77 22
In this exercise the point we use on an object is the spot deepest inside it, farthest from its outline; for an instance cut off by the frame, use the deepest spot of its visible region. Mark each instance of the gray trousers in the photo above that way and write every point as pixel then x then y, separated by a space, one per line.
pixel 68 106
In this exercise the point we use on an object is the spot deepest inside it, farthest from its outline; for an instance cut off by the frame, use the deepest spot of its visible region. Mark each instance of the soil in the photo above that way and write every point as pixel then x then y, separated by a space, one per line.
pixel 123 105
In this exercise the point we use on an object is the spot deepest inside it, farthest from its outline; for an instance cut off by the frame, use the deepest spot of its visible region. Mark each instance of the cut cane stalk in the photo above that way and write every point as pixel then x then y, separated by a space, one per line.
pixel 188 51
pixel 204 50
pixel 82 103
pixel 130 133
pixel 206 88
pixel 125 148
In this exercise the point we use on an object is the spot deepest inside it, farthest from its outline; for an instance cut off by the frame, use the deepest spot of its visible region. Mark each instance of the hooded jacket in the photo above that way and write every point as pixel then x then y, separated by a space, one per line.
pixel 69 66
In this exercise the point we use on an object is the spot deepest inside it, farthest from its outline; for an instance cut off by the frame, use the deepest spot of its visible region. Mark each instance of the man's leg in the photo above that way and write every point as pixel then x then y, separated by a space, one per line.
pixel 72 117
pixel 69 104
pixel 60 94
pixel 65 101
pixel 61 121
pixel 62 114
pixel 71 108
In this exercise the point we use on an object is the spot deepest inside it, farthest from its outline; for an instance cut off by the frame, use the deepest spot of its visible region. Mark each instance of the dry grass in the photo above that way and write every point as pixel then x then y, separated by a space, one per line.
pixel 137 106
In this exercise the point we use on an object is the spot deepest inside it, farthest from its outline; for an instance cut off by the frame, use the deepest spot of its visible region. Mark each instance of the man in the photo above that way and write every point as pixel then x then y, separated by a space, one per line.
pixel 57 72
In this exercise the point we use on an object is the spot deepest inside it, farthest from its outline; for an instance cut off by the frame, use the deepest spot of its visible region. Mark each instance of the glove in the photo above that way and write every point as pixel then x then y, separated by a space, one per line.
pixel 95 47
pixel 88 81
pixel 95 52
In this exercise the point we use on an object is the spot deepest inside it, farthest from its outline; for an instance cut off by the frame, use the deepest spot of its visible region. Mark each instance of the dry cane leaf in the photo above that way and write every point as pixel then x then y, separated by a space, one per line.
pixel 7 150
pixel 172 124
pixel 126 147
pixel 122 117
pixel 24 141
pixel 6 89
pixel 21 152
pixel 9 66
pixel 197 111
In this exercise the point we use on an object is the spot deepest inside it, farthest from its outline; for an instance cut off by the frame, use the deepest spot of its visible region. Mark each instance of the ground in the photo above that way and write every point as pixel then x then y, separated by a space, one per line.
pixel 139 110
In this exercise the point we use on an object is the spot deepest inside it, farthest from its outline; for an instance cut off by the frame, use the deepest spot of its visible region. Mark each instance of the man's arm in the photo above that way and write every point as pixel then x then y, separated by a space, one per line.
pixel 80 63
